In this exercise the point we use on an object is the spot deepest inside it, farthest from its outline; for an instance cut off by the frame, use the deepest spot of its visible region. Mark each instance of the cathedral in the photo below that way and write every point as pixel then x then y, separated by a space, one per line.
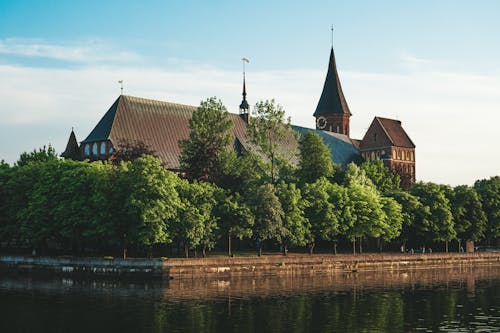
pixel 161 125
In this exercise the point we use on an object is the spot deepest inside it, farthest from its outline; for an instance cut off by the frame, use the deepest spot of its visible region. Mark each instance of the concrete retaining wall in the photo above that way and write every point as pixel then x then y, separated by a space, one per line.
pixel 84 266
pixel 225 267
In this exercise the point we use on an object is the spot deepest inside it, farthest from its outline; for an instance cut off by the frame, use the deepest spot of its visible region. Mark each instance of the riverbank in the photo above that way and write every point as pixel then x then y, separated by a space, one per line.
pixel 227 267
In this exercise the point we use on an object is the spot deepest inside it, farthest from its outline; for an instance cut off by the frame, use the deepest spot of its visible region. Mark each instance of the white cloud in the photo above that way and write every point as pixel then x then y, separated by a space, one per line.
pixel 84 52
pixel 451 117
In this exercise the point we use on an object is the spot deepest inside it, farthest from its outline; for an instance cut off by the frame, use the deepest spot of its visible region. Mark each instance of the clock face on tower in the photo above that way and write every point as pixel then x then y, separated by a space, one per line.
pixel 321 122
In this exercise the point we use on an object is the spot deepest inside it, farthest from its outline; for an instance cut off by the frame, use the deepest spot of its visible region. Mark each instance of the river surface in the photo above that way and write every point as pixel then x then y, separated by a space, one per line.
pixel 437 300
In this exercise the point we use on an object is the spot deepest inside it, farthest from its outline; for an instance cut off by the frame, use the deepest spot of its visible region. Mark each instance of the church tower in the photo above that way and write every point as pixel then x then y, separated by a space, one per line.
pixel 332 113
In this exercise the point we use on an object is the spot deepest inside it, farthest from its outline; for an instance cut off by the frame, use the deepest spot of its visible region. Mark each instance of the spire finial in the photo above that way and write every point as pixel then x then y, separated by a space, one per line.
pixel 244 104
pixel 332 35
pixel 121 86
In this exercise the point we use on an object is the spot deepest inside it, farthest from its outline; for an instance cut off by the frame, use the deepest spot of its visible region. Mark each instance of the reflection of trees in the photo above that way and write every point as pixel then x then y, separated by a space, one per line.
pixel 437 300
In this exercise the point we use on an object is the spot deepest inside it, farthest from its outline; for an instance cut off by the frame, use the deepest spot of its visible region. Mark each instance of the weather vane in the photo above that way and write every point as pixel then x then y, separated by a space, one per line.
pixel 244 60
pixel 121 86
pixel 332 35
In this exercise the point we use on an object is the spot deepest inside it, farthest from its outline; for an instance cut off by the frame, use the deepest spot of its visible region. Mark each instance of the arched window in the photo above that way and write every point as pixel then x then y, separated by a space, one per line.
pixel 373 156
pixel 394 156
pixel 103 148
pixel 94 149
pixel 110 151
pixel 87 150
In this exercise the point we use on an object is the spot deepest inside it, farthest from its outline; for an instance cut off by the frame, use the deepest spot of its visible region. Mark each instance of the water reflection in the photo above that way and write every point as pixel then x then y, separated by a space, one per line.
pixel 465 299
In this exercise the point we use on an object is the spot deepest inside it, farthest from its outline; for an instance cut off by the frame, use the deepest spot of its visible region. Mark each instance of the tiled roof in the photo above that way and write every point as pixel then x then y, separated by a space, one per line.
pixel 395 132
pixel 332 98
pixel 342 148
pixel 159 125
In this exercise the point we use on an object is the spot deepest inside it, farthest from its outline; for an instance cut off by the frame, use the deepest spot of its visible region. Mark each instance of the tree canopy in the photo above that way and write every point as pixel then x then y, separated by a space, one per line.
pixel 202 153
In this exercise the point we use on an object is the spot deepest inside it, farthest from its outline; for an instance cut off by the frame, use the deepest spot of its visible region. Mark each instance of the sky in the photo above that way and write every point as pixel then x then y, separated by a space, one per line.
pixel 433 64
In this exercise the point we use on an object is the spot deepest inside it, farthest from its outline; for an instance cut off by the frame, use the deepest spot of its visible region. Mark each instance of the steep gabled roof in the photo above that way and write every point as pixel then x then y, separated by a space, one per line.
pixel 332 98
pixel 386 132
pixel 342 149
pixel 159 125
pixel 396 132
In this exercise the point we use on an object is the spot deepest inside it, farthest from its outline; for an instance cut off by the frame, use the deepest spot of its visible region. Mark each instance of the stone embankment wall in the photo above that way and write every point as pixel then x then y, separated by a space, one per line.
pixel 225 267
pixel 84 266
pixel 320 264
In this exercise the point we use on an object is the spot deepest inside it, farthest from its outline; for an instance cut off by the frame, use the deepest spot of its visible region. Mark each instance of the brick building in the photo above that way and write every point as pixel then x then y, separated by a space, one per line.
pixel 161 125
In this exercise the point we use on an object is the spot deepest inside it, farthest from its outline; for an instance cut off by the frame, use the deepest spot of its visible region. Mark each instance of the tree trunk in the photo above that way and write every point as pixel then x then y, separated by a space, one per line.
pixel 311 248
pixel 204 251
pixel 459 245
pixel 354 246
pixel 229 245
pixel 360 245
pixel 186 250
pixel 284 249
pixel 446 242
pixel 335 248
pixel 124 246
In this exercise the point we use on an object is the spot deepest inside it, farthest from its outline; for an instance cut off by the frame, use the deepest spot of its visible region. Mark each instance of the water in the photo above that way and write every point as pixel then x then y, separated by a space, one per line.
pixel 444 300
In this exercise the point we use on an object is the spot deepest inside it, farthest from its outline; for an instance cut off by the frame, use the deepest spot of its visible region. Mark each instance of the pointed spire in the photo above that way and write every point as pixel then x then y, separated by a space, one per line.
pixel 72 150
pixel 244 104
pixel 244 107
pixel 332 100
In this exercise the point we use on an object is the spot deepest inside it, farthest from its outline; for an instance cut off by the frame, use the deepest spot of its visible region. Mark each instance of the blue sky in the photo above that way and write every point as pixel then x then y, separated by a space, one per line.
pixel 412 60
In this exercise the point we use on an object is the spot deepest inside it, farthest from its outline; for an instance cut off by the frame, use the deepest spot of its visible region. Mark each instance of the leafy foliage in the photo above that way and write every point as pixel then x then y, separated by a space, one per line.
pixel 434 219
pixel 315 159
pixel 489 191
pixel 268 131
pixel 44 154
pixel 202 153
pixel 269 215
pixel 382 177
pixel 130 150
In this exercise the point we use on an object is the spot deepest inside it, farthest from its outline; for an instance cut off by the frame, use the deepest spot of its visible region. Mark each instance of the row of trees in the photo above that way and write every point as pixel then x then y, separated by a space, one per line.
pixel 260 195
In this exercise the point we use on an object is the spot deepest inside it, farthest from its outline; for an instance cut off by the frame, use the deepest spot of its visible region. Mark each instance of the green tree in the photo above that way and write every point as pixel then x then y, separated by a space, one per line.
pixel 365 206
pixel 236 219
pixel 435 218
pixel 294 219
pixel 393 221
pixel 75 212
pixel 44 154
pixel 268 132
pixel 489 191
pixel 382 177
pixel 315 159
pixel 152 202
pixel 268 214
pixel 327 210
pixel 411 207
pixel 467 211
pixel 202 153
pixel 7 222
pixel 196 224
pixel 243 172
